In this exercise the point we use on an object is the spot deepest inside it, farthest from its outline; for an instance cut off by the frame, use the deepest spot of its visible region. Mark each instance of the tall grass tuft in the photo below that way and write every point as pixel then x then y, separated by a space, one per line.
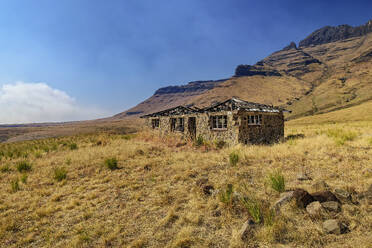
pixel 24 178
pixel 111 163
pixel 340 136
pixel 73 146
pixel 254 209
pixel 23 166
pixel 276 181
pixel 5 168
pixel 14 185
pixel 226 195
pixel 199 141
pixel 234 158
pixel 60 174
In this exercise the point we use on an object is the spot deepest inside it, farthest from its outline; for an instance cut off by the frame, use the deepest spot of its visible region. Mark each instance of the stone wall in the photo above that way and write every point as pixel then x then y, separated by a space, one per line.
pixel 271 129
pixel 229 135
pixel 238 131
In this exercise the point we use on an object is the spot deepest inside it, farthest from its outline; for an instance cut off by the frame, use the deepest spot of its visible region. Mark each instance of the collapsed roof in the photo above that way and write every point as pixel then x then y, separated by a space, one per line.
pixel 228 105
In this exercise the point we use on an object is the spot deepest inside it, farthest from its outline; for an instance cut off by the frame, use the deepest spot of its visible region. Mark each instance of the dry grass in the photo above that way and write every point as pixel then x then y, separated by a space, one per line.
pixel 154 198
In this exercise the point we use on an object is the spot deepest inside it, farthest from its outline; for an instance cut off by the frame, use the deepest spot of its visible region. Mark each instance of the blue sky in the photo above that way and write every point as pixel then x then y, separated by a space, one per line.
pixel 107 56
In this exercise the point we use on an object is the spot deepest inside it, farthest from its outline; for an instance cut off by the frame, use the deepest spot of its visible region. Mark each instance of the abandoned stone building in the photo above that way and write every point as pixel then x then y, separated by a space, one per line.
pixel 233 121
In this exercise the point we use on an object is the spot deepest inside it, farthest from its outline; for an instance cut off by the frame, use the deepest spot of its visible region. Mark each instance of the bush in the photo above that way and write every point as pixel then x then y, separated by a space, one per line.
pixel 111 163
pixel 23 166
pixel 60 174
pixel 226 195
pixel 14 185
pixel 276 181
pixel 73 146
pixel 234 158
pixel 199 141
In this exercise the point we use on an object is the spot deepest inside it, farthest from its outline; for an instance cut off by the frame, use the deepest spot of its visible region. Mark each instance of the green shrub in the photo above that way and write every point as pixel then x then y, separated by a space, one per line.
pixel 276 181
pixel 14 185
pixel 24 178
pixel 254 209
pixel 226 195
pixel 73 146
pixel 60 174
pixel 199 141
pixel 23 166
pixel 234 158
pixel 370 141
pixel 5 168
pixel 111 163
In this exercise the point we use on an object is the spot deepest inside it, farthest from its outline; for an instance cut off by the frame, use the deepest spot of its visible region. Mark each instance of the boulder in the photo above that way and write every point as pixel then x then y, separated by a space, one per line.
pixel 314 209
pixel 246 230
pixel 303 198
pixel 332 226
pixel 332 206
pixel 285 197
pixel 324 196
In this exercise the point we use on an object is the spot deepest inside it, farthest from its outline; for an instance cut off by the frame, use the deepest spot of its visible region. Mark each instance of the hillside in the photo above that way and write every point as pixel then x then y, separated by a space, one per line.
pixel 330 69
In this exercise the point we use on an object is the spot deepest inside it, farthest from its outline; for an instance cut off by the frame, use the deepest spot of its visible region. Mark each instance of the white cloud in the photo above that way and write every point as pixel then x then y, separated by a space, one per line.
pixel 37 102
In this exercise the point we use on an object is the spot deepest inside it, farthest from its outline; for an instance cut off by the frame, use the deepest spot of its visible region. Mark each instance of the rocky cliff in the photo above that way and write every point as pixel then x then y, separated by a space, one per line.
pixel 330 34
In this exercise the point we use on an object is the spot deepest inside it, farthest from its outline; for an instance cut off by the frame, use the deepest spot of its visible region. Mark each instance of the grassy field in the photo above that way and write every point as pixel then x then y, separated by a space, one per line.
pixel 117 190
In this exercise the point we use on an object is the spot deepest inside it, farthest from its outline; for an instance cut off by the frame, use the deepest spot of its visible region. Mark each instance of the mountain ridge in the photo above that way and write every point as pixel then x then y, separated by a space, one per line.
pixel 329 69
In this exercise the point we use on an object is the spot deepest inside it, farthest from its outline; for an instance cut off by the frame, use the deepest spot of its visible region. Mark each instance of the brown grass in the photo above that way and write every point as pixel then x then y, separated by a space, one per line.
pixel 155 199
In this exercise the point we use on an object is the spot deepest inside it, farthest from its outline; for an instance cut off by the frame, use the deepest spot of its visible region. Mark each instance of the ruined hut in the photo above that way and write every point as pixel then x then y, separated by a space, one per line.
pixel 233 121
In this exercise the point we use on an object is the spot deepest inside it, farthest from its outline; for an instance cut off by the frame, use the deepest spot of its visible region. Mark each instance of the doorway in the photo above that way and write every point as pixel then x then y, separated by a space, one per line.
pixel 192 127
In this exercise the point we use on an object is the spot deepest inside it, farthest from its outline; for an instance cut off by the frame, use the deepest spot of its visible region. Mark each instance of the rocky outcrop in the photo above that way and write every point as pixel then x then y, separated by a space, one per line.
pixel 252 70
pixel 330 34
pixel 196 86
pixel 292 45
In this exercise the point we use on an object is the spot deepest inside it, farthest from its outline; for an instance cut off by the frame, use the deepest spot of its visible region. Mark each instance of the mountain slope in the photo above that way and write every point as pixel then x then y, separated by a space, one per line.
pixel 329 70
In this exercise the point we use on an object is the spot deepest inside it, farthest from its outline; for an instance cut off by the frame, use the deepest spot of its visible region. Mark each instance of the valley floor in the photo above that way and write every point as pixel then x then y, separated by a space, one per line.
pixel 59 192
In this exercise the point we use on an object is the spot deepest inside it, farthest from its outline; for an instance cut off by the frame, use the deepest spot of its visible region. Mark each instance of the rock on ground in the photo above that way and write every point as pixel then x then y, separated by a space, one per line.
pixel 332 226
pixel 284 198
pixel 324 196
pixel 343 194
pixel 331 206
pixel 321 185
pixel 302 176
pixel 314 209
pixel 247 229
pixel 303 198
